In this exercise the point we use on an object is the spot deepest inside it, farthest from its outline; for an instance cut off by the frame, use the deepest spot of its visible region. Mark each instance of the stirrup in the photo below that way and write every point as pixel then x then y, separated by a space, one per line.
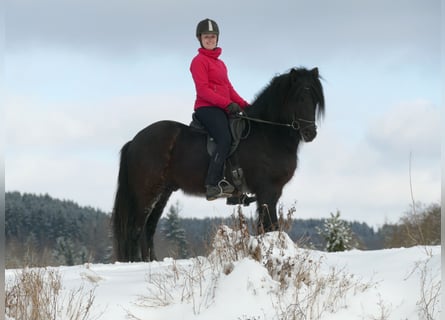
pixel 226 187
pixel 222 190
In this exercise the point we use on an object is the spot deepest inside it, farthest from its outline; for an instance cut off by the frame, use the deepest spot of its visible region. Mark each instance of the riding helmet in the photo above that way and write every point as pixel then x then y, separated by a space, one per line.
pixel 207 26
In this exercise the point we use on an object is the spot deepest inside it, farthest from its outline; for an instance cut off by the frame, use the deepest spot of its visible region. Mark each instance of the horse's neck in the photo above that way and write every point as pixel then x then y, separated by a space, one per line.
pixel 256 110
pixel 280 138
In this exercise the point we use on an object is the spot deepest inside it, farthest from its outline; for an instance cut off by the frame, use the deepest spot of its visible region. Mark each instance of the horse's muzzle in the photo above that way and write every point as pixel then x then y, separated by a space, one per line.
pixel 309 133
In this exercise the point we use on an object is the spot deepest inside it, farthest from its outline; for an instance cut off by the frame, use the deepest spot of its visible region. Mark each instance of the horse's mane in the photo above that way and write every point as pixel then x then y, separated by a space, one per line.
pixel 275 93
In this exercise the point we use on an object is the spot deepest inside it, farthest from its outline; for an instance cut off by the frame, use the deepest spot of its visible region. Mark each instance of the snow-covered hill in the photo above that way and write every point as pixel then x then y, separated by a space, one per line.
pixel 259 278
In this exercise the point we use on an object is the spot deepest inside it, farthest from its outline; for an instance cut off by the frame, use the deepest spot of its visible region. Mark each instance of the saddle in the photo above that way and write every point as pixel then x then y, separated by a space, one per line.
pixel 239 129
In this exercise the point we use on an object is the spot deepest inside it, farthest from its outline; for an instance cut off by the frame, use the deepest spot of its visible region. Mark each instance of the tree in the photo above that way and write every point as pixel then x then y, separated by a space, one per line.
pixel 418 226
pixel 337 233
pixel 42 231
pixel 65 251
pixel 173 231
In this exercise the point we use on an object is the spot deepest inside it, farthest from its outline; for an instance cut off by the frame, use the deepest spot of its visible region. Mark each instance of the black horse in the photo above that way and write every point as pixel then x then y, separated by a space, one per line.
pixel 167 156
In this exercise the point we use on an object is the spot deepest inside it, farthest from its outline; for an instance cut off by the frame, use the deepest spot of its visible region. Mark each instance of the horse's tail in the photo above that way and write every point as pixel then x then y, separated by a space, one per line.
pixel 122 210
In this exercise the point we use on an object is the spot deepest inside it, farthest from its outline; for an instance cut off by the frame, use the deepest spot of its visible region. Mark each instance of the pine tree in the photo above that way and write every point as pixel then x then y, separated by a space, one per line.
pixel 337 233
pixel 174 232
pixel 42 231
pixel 65 251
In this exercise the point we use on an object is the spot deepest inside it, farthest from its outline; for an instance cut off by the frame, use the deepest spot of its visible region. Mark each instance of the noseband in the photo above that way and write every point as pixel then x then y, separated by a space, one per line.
pixel 296 124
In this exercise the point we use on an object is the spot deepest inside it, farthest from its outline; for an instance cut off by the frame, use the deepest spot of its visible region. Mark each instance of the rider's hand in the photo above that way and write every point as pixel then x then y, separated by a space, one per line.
pixel 234 108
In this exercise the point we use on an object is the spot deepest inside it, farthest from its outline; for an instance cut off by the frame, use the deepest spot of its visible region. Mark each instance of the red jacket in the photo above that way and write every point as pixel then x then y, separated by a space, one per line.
pixel 213 87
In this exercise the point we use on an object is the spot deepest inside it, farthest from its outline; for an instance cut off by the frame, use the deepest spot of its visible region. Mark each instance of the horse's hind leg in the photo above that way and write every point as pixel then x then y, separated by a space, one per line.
pixel 147 244
pixel 145 204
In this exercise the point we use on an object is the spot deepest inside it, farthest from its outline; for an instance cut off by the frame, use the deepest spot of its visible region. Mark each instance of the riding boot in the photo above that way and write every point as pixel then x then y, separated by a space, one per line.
pixel 216 185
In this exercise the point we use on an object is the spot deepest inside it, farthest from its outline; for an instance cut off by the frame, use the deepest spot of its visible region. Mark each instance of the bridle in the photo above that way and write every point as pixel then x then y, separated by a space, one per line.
pixel 295 124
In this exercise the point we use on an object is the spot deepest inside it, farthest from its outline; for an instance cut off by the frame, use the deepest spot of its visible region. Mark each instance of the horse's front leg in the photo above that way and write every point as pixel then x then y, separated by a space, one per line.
pixel 267 211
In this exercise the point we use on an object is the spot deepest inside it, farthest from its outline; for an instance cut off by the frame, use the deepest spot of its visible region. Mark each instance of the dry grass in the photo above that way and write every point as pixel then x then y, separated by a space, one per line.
pixel 429 302
pixel 37 294
pixel 307 287
pixel 306 290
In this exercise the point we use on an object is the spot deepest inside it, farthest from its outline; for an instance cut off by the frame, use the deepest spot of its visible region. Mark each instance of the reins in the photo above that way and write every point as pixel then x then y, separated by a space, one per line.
pixel 294 125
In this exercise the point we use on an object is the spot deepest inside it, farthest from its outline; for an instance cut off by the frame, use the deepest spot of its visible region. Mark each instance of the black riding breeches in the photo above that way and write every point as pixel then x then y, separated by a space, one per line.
pixel 216 122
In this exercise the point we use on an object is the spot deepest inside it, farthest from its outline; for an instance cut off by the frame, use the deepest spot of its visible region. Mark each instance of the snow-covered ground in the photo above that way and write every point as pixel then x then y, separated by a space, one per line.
pixel 264 278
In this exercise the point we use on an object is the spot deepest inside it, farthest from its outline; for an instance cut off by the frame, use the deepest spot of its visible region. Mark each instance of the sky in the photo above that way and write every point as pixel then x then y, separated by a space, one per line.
pixel 83 77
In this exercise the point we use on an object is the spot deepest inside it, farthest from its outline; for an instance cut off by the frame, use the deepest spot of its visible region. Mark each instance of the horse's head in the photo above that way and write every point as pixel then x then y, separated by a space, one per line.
pixel 294 99
pixel 304 103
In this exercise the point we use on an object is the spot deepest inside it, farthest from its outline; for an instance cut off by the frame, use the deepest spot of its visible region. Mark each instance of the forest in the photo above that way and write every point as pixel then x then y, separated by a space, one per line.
pixel 44 231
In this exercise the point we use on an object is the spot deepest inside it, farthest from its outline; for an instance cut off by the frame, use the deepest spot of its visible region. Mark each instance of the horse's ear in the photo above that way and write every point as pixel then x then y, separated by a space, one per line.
pixel 293 73
pixel 315 72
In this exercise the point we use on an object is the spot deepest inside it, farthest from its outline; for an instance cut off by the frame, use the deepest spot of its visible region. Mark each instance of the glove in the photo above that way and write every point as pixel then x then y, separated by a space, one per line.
pixel 234 108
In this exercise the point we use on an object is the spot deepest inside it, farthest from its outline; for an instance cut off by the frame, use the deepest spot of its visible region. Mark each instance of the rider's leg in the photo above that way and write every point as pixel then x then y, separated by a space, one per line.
pixel 216 122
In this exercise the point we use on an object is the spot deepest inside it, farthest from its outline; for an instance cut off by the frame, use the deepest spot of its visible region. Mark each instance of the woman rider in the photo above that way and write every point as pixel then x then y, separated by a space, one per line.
pixel 216 99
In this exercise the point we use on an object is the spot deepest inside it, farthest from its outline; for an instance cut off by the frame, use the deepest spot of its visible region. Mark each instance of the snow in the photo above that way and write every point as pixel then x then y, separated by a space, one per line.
pixel 264 277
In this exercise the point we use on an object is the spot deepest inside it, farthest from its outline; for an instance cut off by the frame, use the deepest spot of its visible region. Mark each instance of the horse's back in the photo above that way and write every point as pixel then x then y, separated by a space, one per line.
pixel 160 129
pixel 150 147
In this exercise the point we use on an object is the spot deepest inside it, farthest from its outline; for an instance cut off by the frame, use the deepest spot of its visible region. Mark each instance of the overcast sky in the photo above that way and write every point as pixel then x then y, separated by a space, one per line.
pixel 83 77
